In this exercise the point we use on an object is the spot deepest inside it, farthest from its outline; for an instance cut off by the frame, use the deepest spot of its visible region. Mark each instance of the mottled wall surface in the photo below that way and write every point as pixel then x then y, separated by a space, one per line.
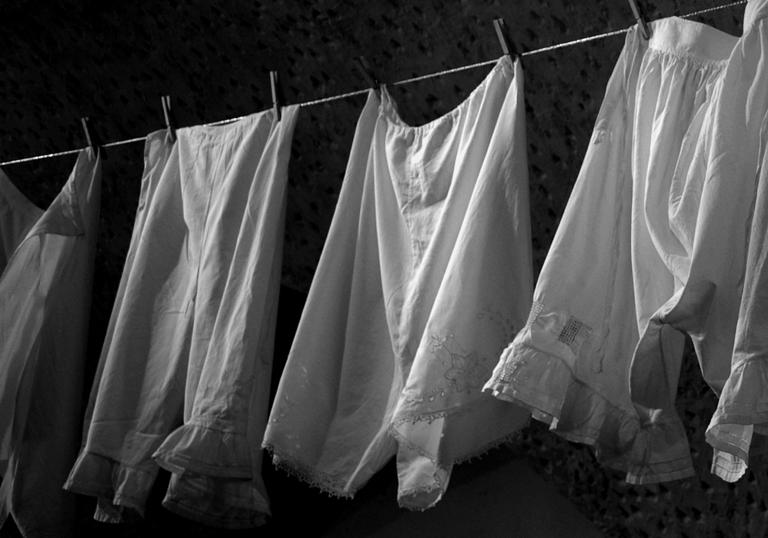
pixel 112 61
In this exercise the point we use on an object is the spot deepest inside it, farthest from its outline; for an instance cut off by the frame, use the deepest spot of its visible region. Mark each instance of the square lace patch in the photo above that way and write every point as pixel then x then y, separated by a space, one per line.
pixel 570 331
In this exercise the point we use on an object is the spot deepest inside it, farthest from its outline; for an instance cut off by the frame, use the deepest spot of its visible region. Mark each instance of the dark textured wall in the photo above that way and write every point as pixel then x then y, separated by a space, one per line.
pixel 112 61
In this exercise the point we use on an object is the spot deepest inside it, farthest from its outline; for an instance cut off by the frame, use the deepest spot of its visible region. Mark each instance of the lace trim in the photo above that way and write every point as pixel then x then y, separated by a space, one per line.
pixel 431 417
pixel 319 480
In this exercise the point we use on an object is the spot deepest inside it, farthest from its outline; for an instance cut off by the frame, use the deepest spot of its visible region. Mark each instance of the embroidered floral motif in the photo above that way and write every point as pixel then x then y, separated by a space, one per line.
pixel 466 371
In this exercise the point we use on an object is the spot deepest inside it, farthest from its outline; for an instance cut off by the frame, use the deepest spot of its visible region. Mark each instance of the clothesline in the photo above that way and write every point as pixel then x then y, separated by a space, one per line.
pixel 346 95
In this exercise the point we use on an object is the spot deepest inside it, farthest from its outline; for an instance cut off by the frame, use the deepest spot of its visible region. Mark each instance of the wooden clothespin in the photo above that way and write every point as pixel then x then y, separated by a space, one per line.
pixel 275 86
pixel 367 72
pixel 507 46
pixel 645 28
pixel 91 138
pixel 170 124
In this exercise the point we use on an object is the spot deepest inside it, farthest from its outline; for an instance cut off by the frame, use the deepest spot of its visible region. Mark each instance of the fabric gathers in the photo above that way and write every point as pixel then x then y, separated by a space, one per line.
pixel 422 339
pixel 425 274
pixel 669 212
pixel 46 271
pixel 622 249
pixel 183 380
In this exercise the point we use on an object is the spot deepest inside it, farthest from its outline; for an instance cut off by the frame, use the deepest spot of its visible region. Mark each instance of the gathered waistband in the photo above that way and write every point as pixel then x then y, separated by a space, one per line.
pixel 226 131
pixel 690 38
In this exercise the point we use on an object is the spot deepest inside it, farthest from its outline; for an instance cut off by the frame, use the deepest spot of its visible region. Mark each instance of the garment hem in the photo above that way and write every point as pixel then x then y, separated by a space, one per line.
pixel 195 447
pixel 110 479
pixel 519 374
pixel 305 473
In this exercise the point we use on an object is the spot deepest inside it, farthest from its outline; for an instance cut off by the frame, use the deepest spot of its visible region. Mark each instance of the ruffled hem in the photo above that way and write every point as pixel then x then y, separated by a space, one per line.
pixel 727 466
pixel 205 451
pixel 308 474
pixel 218 502
pixel 546 385
pixel 742 409
pixel 116 485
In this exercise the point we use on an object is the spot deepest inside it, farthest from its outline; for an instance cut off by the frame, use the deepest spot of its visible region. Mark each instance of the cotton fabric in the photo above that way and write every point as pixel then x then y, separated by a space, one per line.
pixel 184 375
pixel 425 274
pixel 627 272
pixel 46 271
pixel 739 146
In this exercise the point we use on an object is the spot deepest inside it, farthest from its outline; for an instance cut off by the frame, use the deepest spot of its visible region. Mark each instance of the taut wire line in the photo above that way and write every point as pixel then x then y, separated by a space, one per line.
pixel 346 95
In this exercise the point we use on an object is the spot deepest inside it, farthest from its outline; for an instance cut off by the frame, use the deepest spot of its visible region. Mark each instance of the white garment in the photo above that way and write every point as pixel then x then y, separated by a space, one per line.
pixel 622 256
pixel 185 369
pixel 740 144
pixel 425 275
pixel 46 270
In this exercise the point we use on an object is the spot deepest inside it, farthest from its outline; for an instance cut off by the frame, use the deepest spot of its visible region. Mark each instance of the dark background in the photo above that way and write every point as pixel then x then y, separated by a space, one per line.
pixel 112 61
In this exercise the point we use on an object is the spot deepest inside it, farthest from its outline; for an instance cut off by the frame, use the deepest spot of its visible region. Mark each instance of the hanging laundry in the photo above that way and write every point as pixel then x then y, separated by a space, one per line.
pixel 623 253
pixel 46 271
pixel 739 167
pixel 183 381
pixel 425 275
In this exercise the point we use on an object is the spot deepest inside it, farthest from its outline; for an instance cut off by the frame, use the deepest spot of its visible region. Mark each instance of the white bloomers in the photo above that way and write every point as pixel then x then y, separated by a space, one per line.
pixel 426 273
pixel 739 150
pixel 631 268
pixel 183 380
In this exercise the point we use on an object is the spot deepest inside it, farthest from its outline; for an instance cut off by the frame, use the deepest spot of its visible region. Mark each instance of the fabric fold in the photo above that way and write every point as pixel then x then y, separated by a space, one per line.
pixel 607 299
pixel 426 272
pixel 45 290
pixel 741 371
pixel 183 380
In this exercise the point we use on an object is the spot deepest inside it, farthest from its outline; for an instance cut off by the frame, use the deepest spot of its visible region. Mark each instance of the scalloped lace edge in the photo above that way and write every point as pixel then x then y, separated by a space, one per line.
pixel 304 473
pixel 506 439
